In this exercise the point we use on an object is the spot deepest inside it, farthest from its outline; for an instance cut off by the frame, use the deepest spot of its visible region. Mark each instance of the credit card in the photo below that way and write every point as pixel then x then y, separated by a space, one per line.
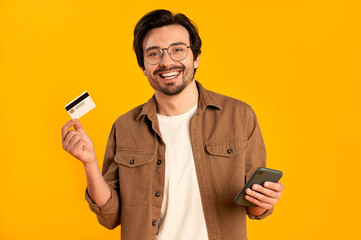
pixel 80 105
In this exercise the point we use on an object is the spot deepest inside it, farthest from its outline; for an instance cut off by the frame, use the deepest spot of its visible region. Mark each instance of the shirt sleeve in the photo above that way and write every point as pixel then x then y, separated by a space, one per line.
pixel 109 214
pixel 255 153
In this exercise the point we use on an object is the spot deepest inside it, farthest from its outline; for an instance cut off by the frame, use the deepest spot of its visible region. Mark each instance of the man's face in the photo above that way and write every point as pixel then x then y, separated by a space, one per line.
pixel 169 77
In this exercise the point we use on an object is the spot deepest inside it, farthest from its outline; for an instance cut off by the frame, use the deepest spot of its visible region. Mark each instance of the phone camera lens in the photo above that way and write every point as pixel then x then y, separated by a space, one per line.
pixel 260 172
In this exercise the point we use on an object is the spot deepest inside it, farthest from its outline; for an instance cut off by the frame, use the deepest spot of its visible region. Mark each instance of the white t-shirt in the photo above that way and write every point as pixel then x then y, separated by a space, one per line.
pixel 181 213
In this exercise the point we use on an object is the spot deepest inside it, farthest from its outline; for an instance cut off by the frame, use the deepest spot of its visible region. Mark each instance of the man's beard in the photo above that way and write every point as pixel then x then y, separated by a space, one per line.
pixel 172 88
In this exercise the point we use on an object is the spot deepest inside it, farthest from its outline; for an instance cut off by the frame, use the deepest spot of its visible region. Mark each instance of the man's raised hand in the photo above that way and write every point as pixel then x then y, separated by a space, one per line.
pixel 77 143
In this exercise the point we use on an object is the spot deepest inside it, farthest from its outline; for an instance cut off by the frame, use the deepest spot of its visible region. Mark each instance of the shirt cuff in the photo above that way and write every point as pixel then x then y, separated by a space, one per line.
pixel 262 216
pixel 110 207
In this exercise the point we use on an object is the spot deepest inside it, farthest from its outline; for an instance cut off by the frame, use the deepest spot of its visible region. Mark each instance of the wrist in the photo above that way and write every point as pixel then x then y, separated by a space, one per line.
pixel 91 165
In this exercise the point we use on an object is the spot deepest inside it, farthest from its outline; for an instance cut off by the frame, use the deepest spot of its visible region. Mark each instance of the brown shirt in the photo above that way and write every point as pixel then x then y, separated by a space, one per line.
pixel 227 146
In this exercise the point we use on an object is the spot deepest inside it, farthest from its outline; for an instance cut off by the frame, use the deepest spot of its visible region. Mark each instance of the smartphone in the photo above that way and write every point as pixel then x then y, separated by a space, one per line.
pixel 260 176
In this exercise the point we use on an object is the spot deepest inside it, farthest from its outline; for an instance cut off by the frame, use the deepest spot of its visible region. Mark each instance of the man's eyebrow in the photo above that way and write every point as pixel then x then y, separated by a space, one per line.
pixel 151 48
pixel 178 43
pixel 155 47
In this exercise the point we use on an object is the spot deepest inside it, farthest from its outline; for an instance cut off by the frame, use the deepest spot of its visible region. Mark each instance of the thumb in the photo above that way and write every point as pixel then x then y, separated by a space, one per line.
pixel 78 127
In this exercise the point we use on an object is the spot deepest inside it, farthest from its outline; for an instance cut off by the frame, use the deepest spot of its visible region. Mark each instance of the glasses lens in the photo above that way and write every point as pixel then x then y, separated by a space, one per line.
pixel 178 52
pixel 153 56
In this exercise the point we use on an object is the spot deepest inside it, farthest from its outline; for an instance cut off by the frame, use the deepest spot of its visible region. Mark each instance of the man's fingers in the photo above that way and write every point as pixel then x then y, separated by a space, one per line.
pixel 77 149
pixel 278 187
pixel 68 138
pixel 73 141
pixel 78 127
pixel 66 127
pixel 258 203
pixel 264 197
pixel 268 192
pixel 261 197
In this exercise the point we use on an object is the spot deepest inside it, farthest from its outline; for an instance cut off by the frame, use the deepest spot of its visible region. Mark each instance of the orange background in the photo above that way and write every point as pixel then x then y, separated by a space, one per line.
pixel 297 63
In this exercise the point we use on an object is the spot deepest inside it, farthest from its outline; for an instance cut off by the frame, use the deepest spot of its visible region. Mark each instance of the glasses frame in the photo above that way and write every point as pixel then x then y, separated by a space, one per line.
pixel 169 54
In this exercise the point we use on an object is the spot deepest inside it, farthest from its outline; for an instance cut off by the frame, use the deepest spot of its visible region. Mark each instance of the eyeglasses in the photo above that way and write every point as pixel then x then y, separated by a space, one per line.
pixel 176 51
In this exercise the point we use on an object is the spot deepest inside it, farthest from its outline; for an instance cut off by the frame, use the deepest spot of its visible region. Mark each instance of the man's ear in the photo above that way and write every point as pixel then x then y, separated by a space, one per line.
pixel 196 62
pixel 143 70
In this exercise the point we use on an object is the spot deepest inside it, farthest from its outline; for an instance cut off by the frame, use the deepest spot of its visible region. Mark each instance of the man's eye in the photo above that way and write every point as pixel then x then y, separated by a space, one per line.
pixel 153 54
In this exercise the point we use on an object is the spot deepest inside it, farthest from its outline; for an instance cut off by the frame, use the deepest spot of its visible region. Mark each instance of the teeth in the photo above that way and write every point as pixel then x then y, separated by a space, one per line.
pixel 171 74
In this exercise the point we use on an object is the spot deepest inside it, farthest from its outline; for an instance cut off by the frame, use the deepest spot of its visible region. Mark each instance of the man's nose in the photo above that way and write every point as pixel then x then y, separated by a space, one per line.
pixel 167 60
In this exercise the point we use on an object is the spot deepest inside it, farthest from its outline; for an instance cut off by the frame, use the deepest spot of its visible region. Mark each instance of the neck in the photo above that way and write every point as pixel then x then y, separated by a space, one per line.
pixel 177 104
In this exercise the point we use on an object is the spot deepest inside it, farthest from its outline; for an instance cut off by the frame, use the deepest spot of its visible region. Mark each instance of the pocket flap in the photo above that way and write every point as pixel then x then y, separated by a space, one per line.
pixel 226 147
pixel 133 158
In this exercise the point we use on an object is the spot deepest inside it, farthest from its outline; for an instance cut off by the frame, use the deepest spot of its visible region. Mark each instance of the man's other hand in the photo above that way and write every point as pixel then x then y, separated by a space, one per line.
pixel 265 197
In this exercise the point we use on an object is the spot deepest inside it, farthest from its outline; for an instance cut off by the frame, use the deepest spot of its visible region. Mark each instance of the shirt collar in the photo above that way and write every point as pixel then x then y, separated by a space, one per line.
pixel 206 99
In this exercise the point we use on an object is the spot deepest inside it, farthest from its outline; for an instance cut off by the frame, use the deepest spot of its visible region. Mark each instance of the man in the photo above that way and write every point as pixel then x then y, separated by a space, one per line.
pixel 173 165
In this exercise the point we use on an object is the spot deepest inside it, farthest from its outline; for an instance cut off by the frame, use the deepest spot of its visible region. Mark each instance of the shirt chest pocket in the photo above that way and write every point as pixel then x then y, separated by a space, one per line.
pixel 227 161
pixel 134 176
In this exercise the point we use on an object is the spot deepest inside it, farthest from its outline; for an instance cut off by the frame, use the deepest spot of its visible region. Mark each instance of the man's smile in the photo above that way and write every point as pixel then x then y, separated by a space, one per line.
pixel 169 75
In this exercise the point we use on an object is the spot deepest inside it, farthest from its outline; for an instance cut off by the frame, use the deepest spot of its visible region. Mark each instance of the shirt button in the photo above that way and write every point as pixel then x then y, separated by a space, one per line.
pixel 131 161
pixel 159 162
pixel 154 223
pixel 229 151
pixel 157 194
